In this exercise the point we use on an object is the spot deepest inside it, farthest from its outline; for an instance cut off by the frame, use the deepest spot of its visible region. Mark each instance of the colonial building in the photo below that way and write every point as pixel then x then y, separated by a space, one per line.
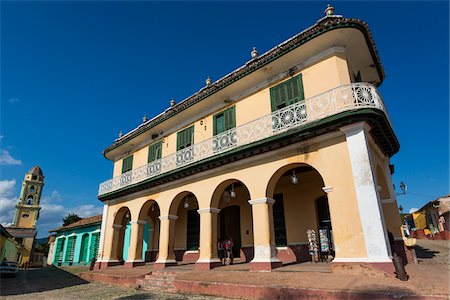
pixel 27 213
pixel 10 249
pixel 298 138
pixel 76 243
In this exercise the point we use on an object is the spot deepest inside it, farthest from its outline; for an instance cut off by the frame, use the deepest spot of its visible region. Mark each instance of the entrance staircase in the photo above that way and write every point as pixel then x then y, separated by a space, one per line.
pixel 157 281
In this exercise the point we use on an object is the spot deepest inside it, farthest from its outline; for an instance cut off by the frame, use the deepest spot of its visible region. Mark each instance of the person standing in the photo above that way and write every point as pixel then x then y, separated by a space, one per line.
pixel 221 251
pixel 228 245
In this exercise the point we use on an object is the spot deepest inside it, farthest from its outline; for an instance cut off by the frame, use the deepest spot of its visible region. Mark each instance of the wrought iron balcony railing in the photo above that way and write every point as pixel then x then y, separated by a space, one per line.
pixel 344 98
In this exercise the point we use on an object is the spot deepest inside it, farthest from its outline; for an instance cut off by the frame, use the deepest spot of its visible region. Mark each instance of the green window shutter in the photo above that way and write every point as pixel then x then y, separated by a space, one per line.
pixel 224 120
pixel 185 138
pixel 127 164
pixel 84 247
pixel 155 151
pixel 230 118
pixel 287 93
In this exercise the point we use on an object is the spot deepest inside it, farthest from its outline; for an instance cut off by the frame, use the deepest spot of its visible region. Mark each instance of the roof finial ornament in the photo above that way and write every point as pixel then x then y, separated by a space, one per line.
pixel 329 11
pixel 120 134
pixel 208 80
pixel 144 119
pixel 254 53
pixel 172 102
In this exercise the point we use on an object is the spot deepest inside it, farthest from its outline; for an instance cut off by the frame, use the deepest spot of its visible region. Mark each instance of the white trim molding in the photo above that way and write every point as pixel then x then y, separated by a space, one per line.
pixel 208 210
pixel 168 217
pixel 117 226
pixel 208 260
pixel 327 189
pixel 261 200
pixel 166 261
pixel 134 261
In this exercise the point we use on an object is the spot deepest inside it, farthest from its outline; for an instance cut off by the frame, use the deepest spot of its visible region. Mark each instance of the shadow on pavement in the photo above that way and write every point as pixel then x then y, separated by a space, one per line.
pixel 38 280
pixel 422 252
pixel 377 292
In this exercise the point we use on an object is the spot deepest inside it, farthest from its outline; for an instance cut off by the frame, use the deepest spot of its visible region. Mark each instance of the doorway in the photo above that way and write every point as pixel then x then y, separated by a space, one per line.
pixel 230 226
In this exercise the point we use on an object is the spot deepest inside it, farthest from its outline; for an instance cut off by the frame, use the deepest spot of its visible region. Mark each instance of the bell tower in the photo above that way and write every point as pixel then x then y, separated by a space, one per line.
pixel 27 210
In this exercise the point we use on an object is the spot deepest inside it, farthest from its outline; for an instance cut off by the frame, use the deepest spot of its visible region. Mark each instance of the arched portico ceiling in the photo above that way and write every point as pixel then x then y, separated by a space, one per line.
pixel 220 189
pixel 178 200
pixel 148 205
pixel 121 216
pixel 298 169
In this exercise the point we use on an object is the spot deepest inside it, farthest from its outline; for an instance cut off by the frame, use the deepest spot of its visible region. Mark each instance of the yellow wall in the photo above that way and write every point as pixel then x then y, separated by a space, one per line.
pixel 328 73
pixel 27 222
pixel 330 158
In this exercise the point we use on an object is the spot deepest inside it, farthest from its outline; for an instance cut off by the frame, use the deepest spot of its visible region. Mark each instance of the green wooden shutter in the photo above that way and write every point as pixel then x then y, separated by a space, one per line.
pixel 155 151
pixel 185 138
pixel 59 250
pixel 127 164
pixel 84 247
pixel 230 118
pixel 287 93
pixel 94 245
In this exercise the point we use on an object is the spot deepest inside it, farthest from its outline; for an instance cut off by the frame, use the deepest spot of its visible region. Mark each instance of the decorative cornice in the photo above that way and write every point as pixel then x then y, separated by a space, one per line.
pixel 322 26
pixel 208 210
pixel 355 128
pixel 117 226
pixel 262 200
pixel 140 222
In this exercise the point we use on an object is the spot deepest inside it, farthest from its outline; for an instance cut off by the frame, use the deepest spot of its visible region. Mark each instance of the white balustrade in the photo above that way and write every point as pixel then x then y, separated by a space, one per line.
pixel 344 98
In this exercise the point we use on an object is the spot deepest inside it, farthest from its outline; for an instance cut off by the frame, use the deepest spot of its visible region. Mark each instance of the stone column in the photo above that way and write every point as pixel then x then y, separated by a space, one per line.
pixel 369 204
pixel 166 255
pixel 264 236
pixel 110 258
pixel 136 240
pixel 208 239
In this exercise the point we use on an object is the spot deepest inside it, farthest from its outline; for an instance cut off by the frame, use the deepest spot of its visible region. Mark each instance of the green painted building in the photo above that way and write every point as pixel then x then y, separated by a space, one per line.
pixel 76 243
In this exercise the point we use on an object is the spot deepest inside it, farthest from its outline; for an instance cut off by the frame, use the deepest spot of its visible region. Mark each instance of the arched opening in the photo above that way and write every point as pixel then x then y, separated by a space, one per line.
pixel 30 200
pixel 84 247
pixel 148 231
pixel 300 205
pixel 32 189
pixel 122 234
pixel 187 227
pixel 235 218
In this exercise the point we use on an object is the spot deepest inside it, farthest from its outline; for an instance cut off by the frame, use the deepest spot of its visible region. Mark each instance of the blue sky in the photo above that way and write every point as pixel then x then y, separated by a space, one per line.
pixel 73 74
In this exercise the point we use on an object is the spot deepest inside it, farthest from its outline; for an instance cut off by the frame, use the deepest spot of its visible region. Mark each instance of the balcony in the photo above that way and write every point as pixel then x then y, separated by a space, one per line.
pixel 344 98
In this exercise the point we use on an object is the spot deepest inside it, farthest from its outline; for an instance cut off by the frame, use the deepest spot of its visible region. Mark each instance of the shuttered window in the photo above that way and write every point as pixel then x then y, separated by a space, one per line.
pixel 93 251
pixel 70 249
pixel 155 151
pixel 84 247
pixel 59 250
pixel 224 120
pixel 287 93
pixel 127 164
pixel 185 138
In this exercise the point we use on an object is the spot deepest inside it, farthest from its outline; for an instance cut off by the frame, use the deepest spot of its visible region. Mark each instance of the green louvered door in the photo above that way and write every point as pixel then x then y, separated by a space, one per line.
pixel 222 122
pixel 59 250
pixel 127 164
pixel 185 139
pixel 287 93
pixel 94 245
pixel 70 249
pixel 155 151
pixel 84 247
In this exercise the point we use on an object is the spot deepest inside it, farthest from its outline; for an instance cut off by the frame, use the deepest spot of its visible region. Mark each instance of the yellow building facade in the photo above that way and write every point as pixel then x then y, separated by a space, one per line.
pixel 297 139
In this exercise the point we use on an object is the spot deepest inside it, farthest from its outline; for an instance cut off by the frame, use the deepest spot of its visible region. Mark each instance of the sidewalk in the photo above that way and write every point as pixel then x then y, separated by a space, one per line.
pixel 427 281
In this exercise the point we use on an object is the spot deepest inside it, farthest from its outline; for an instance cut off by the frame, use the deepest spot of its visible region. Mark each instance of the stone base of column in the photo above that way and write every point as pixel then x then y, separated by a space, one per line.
pixel 160 265
pixel 372 269
pixel 207 265
pixel 105 264
pixel 133 263
pixel 264 266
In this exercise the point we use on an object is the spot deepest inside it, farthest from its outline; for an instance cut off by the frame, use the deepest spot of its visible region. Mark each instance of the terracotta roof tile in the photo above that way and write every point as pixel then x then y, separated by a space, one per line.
pixel 81 223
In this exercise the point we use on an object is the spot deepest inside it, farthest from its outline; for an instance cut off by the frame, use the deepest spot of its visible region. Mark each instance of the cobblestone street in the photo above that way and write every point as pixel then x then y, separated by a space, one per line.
pixel 54 283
